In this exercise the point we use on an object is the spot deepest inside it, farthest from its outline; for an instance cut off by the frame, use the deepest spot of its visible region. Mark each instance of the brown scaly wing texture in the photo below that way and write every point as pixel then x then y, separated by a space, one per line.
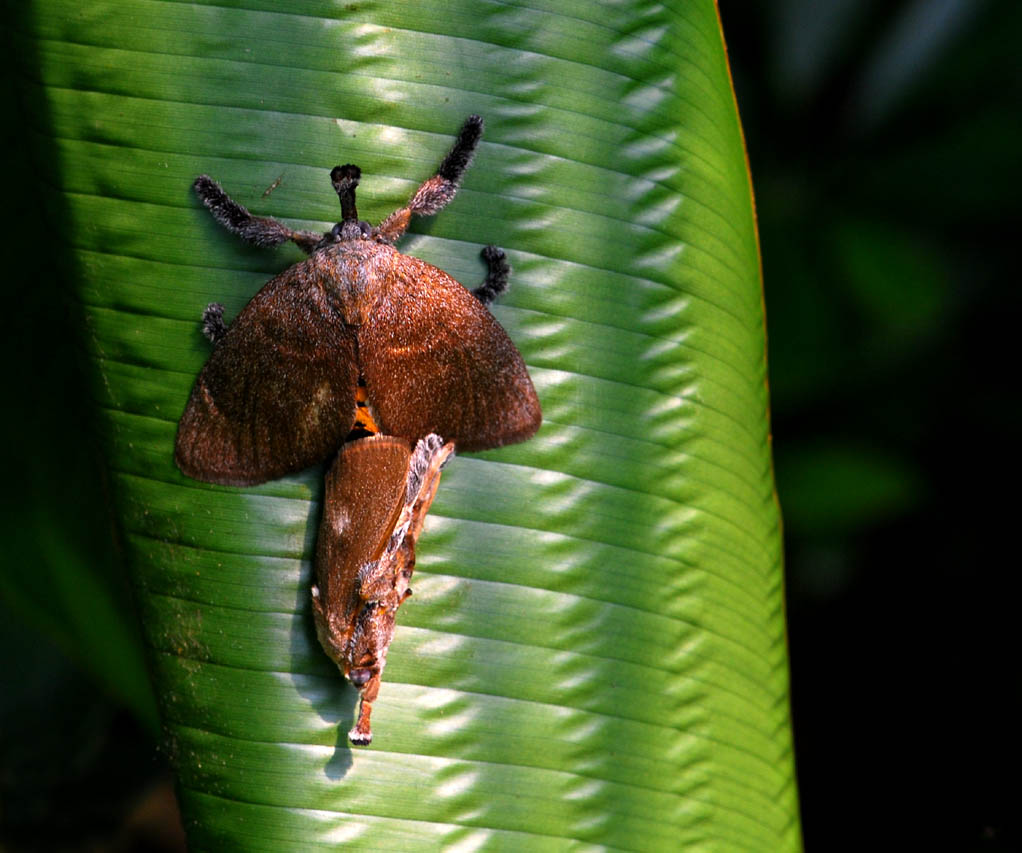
pixel 435 360
pixel 376 499
pixel 278 391
pixel 363 498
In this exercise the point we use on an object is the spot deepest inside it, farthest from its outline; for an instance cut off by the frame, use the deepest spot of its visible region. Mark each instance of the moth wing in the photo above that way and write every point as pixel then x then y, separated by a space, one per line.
pixel 278 392
pixel 436 361
pixel 365 493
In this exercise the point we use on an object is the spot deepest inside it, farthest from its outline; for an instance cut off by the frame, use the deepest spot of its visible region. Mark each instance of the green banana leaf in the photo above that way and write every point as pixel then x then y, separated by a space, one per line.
pixel 595 653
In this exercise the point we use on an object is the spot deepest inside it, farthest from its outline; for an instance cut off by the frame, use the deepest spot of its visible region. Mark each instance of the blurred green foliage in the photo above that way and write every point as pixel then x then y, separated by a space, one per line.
pixel 883 143
pixel 77 712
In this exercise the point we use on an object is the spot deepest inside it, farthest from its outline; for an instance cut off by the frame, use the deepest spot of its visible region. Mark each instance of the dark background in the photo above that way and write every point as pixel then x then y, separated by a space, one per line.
pixel 884 141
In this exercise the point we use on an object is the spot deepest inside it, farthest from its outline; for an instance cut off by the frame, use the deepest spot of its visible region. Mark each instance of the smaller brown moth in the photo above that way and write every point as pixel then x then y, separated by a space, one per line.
pixel 378 492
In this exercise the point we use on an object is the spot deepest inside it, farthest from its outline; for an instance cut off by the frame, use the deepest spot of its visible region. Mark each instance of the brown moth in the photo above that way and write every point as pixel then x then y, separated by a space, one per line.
pixel 377 494
pixel 278 392
pixel 356 341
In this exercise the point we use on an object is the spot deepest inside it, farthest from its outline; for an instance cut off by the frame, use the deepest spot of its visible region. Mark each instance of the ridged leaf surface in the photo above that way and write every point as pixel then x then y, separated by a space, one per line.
pixel 595 651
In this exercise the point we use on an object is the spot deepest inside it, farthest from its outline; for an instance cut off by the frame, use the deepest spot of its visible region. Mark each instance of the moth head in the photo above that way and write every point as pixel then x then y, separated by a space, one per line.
pixel 360 677
pixel 367 649
pixel 345 179
pixel 357 230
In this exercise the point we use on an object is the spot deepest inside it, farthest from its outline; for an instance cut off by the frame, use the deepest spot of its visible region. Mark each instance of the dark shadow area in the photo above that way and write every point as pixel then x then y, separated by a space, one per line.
pixel 78 772
pixel 884 144
pixel 79 763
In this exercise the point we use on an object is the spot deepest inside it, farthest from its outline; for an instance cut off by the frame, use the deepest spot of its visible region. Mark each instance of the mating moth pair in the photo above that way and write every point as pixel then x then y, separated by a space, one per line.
pixel 372 357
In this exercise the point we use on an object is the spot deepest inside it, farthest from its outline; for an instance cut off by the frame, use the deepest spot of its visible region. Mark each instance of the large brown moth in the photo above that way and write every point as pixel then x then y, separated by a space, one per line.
pixel 370 354
pixel 278 392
